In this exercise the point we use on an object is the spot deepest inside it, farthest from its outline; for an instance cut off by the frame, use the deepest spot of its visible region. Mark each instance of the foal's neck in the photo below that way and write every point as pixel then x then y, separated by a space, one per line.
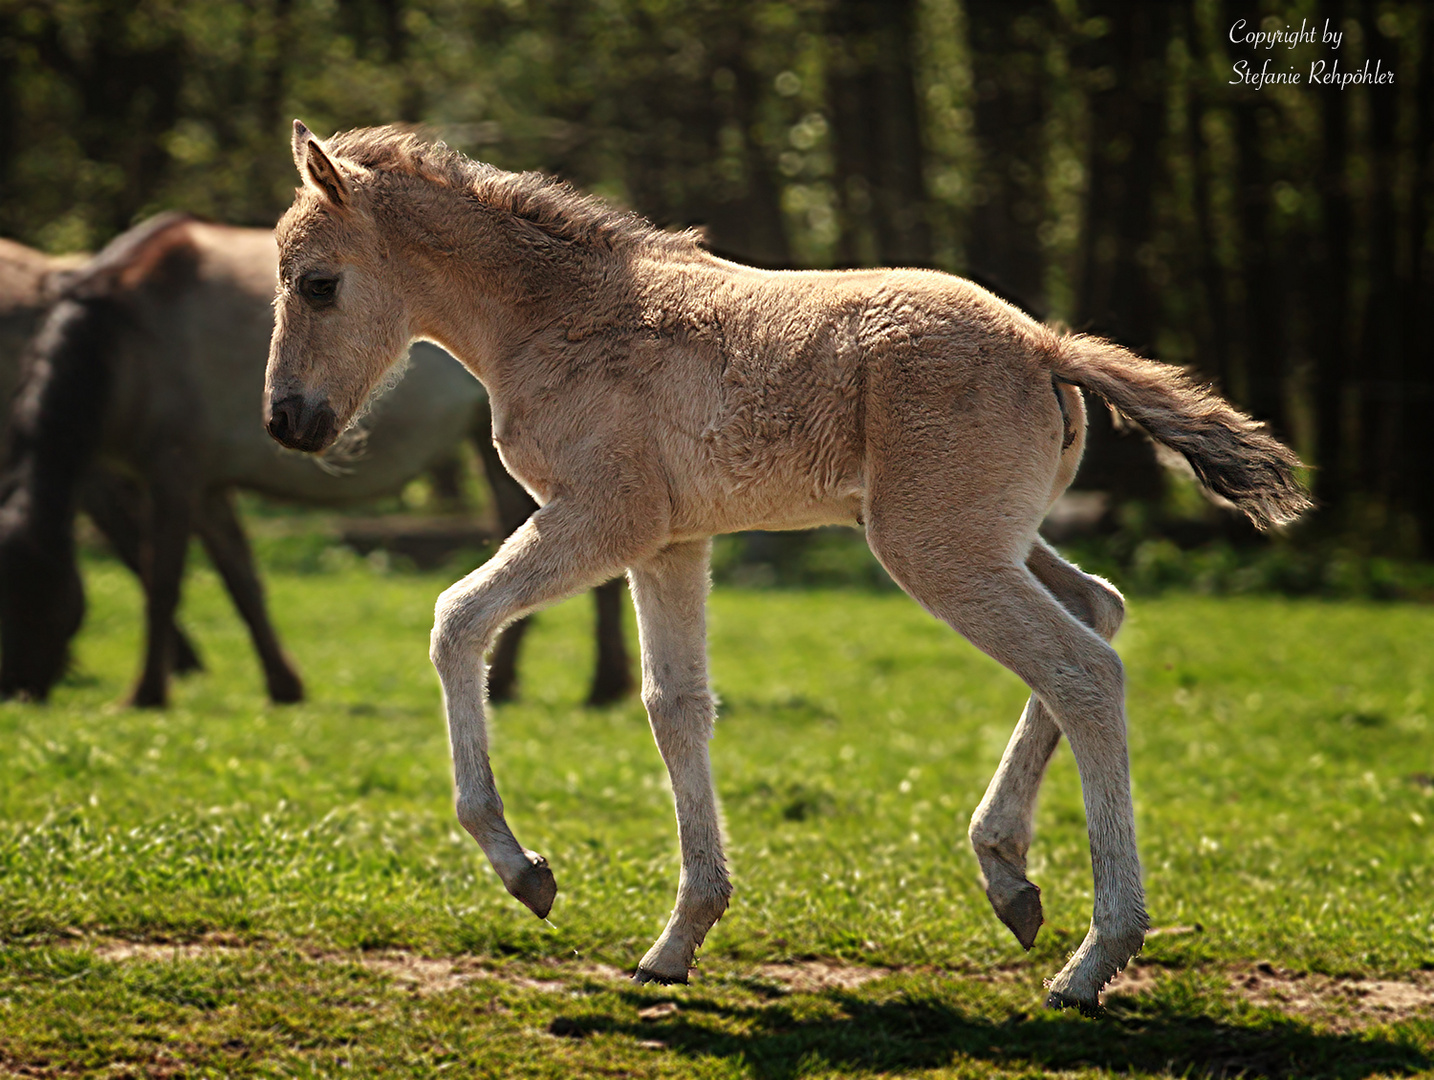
pixel 481 279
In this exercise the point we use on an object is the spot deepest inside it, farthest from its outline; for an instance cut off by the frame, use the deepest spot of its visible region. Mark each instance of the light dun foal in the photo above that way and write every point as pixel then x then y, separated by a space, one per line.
pixel 650 395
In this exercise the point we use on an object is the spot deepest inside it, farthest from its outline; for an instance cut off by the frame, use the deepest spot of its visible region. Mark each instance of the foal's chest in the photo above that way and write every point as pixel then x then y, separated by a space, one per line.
pixel 521 449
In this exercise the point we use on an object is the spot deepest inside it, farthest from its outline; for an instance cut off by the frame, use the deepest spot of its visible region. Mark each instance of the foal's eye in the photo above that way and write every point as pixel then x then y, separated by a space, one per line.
pixel 317 289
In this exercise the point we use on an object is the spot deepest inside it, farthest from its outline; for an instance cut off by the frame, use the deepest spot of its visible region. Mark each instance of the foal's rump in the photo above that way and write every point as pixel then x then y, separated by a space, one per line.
pixel 973 405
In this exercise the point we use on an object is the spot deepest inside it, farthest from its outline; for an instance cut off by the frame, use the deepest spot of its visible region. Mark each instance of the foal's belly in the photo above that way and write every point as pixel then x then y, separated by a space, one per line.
pixel 771 510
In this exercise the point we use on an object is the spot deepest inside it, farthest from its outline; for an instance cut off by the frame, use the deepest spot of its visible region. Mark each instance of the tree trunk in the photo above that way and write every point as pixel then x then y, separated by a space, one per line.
pixel 1007 59
pixel 1126 71
pixel 879 157
pixel 1419 402
pixel 1262 271
pixel 1331 294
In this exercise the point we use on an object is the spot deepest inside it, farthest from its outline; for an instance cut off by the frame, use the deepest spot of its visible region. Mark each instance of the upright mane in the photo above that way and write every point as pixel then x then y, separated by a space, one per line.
pixel 551 204
pixel 132 256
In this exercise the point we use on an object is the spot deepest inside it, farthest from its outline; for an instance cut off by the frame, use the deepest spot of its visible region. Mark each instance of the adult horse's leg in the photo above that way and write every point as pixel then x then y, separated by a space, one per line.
pixel 612 679
pixel 111 501
pixel 670 591
pixel 171 506
pixel 228 547
pixel 1001 826
pixel 562 549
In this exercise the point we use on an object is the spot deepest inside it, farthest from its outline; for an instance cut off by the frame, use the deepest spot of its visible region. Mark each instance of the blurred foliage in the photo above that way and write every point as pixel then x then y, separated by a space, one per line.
pixel 1095 161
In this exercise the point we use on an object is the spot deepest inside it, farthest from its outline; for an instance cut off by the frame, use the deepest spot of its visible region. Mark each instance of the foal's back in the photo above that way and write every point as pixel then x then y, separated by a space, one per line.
pixel 765 410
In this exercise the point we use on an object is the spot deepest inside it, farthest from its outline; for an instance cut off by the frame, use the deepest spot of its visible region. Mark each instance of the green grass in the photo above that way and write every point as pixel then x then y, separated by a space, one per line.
pixel 1281 752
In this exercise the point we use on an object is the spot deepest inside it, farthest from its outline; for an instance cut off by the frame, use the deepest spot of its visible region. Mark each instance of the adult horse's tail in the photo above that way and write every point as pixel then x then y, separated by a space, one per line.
pixel 55 427
pixel 1232 455
pixel 54 432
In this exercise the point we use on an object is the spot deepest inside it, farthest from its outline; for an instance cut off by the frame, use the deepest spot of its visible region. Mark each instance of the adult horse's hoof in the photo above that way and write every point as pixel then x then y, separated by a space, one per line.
pixel 286 688
pixel 642 975
pixel 1056 1000
pixel 148 697
pixel 1020 910
pixel 535 886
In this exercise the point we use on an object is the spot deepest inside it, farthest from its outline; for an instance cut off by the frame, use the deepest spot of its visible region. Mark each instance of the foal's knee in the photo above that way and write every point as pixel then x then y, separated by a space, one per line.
pixel 462 631
pixel 679 711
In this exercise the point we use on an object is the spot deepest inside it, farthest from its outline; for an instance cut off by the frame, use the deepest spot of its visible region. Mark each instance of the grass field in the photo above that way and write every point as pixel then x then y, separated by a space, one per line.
pixel 231 888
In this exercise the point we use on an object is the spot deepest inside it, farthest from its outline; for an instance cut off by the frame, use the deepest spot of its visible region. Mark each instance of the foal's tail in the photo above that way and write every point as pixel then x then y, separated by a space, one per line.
pixel 1232 455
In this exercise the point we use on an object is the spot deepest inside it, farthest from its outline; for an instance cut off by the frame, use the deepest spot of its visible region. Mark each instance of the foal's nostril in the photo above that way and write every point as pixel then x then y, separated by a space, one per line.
pixel 284 419
pixel 319 427
pixel 302 426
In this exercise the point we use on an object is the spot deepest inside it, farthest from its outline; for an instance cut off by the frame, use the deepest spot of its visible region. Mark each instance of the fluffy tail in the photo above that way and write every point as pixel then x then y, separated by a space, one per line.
pixel 1232 455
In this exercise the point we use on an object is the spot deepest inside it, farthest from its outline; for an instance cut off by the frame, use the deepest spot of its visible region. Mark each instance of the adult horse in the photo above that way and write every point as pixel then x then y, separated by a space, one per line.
pixel 148 367
pixel 650 395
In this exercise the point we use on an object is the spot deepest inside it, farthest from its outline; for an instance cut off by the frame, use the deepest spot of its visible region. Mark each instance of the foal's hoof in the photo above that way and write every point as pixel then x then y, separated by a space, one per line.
pixel 535 886
pixel 1057 1000
pixel 1020 910
pixel 642 975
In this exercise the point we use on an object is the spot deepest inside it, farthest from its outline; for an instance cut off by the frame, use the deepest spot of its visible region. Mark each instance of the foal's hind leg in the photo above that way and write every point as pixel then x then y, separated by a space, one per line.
pixel 670 591
pixel 1001 826
pixel 972 582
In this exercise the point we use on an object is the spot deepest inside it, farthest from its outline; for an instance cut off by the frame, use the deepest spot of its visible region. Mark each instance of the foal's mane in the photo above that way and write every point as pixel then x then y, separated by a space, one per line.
pixel 551 204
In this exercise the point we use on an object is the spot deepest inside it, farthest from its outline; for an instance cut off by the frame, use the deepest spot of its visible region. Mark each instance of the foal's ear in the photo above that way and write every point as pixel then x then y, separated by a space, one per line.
pixel 316 167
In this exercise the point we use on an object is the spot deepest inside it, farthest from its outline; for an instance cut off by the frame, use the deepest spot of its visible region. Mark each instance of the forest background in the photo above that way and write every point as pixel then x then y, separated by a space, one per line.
pixel 1147 171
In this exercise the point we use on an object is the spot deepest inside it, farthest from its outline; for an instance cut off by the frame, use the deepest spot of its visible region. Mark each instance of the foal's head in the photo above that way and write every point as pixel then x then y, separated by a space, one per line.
pixel 340 320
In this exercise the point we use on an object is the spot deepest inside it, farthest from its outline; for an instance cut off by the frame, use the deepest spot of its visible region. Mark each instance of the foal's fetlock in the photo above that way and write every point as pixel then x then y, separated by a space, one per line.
pixel 535 885
pixel 673 954
pixel 1100 958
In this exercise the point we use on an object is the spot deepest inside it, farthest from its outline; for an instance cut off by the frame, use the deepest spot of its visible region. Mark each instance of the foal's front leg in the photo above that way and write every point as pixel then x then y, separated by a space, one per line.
pixel 562 549
pixel 670 593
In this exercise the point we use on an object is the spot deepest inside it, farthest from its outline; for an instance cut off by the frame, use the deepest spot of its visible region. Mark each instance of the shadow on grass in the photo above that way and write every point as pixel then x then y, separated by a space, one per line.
pixel 915 1031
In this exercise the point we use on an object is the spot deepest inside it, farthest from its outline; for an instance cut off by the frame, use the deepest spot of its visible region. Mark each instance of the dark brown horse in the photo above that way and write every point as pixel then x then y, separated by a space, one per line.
pixel 140 390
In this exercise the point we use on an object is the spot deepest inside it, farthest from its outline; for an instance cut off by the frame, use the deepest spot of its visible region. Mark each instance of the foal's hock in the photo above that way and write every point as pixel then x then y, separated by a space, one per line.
pixel 651 395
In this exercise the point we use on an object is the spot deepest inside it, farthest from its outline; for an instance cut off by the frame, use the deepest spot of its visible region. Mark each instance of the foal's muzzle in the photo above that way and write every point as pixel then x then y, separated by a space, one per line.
pixel 300 425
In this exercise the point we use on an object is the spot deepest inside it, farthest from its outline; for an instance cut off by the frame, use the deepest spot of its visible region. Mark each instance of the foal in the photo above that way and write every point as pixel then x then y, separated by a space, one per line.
pixel 650 395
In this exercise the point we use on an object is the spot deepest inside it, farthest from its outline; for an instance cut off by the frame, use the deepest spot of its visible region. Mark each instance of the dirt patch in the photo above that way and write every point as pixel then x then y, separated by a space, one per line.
pixel 420 974
pixel 1346 1003
pixel 815 976
pixel 160 951
pixel 433 975
pixel 1135 981
pixel 1343 1002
